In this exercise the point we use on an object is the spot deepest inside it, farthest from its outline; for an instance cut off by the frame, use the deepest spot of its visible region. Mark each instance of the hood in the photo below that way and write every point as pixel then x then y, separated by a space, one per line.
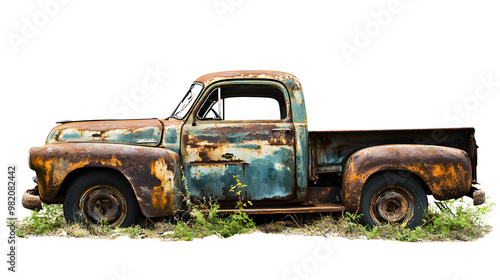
pixel 145 132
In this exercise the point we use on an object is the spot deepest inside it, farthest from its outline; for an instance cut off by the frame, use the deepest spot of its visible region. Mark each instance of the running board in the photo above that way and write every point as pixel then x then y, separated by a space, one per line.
pixel 326 207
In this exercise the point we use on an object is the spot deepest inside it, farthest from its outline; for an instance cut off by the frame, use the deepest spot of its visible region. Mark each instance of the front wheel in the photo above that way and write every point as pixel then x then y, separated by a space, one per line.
pixel 393 198
pixel 101 197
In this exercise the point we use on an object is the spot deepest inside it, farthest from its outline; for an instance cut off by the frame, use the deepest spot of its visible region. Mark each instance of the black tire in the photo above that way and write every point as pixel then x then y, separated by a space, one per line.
pixel 393 198
pixel 97 196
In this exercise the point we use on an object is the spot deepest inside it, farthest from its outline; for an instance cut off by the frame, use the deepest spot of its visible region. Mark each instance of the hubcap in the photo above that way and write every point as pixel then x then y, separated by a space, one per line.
pixel 103 203
pixel 392 204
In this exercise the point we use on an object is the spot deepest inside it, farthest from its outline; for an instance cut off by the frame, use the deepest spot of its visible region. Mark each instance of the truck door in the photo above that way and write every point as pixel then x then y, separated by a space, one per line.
pixel 240 129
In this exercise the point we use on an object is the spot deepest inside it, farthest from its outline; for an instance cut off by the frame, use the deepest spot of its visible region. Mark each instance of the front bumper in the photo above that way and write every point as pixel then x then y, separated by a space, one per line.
pixel 478 196
pixel 31 199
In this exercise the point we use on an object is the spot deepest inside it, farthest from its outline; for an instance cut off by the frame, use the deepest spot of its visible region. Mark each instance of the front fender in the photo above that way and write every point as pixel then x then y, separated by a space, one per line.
pixel 153 173
pixel 446 171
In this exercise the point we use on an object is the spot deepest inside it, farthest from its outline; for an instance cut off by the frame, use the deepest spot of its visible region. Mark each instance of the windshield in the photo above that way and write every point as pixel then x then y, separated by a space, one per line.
pixel 186 103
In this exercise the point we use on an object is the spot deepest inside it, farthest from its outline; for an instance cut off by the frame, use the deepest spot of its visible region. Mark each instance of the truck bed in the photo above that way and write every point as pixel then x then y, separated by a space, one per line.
pixel 329 150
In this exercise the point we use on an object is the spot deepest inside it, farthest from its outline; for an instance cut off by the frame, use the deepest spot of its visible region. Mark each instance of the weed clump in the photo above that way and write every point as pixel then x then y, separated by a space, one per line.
pixel 205 219
pixel 42 222
pixel 201 225
pixel 453 220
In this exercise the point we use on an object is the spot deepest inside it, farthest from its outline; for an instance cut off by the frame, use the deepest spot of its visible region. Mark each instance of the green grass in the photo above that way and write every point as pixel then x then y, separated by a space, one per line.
pixel 456 221
pixel 42 222
pixel 50 222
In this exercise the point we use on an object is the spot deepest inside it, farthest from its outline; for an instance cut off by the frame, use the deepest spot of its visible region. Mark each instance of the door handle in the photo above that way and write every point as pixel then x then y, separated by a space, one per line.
pixel 282 129
pixel 228 156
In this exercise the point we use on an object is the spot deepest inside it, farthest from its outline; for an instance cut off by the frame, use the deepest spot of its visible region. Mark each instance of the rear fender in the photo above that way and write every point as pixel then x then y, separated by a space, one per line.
pixel 445 171
pixel 153 173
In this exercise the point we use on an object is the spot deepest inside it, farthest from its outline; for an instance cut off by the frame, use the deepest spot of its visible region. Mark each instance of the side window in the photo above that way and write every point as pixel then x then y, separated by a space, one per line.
pixel 251 108
pixel 244 102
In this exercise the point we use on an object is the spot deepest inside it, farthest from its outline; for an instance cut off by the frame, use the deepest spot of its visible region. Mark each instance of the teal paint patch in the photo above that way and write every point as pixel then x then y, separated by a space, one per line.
pixel 247 146
pixel 171 135
pixel 70 135
pixel 171 139
pixel 267 176
pixel 51 136
pixel 146 136
pixel 214 182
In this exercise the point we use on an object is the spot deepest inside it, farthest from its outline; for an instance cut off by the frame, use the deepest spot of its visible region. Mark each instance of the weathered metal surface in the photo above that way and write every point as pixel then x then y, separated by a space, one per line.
pixel 392 204
pixel 301 159
pixel 153 173
pixel 31 200
pixel 147 132
pixel 321 195
pixel 478 197
pixel 446 171
pixel 172 134
pixel 262 158
pixel 103 203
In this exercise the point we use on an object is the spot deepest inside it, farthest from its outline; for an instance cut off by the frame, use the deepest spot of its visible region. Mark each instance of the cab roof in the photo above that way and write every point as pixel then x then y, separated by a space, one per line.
pixel 247 74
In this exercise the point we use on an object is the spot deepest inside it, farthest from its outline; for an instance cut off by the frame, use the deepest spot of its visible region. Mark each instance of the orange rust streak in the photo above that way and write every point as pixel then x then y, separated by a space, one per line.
pixel 162 194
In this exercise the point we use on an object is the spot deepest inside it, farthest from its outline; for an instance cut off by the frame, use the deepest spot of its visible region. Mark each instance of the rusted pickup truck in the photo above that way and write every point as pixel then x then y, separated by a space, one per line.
pixel 249 125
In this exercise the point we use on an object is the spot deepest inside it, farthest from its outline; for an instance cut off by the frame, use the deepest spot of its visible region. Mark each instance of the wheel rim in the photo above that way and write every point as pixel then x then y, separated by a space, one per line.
pixel 103 203
pixel 392 204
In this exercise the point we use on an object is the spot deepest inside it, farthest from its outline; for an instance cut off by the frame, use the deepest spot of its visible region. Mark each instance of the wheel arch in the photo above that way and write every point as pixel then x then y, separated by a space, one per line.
pixel 153 173
pixel 402 173
pixel 73 175
pixel 444 172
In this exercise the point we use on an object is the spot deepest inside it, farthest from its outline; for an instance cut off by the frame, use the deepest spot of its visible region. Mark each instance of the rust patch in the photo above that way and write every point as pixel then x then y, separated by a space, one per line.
pixel 163 195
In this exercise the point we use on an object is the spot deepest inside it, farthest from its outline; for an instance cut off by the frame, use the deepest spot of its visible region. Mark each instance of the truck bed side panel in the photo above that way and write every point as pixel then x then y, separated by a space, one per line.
pixel 331 149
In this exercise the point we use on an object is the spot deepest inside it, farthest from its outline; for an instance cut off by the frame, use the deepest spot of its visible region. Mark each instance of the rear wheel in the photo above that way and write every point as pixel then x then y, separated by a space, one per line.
pixel 393 198
pixel 98 197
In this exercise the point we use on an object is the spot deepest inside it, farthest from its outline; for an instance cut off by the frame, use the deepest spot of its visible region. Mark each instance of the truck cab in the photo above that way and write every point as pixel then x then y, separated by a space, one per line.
pixel 246 128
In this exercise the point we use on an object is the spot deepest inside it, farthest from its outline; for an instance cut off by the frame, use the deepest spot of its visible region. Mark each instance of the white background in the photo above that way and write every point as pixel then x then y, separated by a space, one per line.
pixel 362 64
